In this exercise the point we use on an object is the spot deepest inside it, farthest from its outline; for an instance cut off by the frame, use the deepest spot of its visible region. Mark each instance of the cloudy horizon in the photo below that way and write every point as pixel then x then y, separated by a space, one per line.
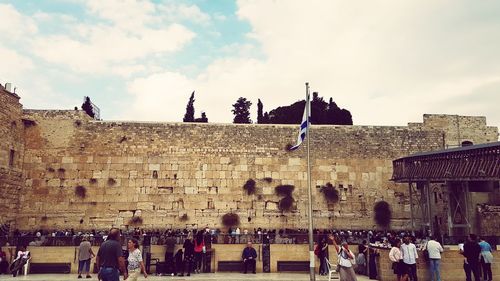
pixel 387 62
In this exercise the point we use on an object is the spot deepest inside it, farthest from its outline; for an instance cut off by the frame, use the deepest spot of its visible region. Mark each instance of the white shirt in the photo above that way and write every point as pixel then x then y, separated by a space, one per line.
pixel 395 254
pixel 435 249
pixel 409 253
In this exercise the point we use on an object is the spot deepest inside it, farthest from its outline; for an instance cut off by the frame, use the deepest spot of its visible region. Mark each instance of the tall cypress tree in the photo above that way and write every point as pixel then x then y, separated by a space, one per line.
pixel 189 116
pixel 260 116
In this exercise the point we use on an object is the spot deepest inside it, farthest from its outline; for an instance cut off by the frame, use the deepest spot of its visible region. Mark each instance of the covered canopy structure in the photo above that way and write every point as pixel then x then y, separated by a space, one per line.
pixel 457 172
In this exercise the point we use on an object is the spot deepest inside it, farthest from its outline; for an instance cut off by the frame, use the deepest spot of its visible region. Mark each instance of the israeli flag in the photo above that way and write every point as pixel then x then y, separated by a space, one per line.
pixel 303 125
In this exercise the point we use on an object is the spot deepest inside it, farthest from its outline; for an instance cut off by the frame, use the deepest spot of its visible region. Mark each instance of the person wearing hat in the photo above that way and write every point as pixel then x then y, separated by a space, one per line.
pixel 85 254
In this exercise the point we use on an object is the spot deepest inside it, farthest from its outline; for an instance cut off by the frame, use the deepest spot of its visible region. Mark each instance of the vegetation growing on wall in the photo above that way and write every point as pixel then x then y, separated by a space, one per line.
pixel 330 192
pixel 230 219
pixel 382 213
pixel 81 191
pixel 249 186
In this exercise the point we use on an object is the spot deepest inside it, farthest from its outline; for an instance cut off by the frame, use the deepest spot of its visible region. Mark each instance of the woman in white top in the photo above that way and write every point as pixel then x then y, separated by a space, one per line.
pixel 135 263
pixel 397 261
pixel 345 258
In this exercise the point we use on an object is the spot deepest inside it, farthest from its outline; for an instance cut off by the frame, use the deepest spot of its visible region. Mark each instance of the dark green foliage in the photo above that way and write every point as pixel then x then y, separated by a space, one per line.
pixel 230 219
pixel 260 116
pixel 61 170
pixel 330 192
pixel 93 181
pixel 50 169
pixel 184 217
pixel 111 181
pixel 81 221
pixel 284 190
pixel 81 191
pixel 241 111
pixel 321 113
pixel 189 116
pixel 135 221
pixel 249 186
pixel 268 179
pixel 44 218
pixel 382 213
pixel 203 118
pixel 87 107
pixel 78 123
pixel 286 203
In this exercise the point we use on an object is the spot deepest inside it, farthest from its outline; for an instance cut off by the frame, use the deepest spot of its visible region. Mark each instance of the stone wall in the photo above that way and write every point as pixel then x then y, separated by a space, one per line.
pixel 11 152
pixel 76 172
pixel 161 171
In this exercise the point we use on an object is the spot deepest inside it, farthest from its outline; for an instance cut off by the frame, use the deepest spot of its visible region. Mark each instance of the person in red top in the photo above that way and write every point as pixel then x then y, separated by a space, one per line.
pixel 199 245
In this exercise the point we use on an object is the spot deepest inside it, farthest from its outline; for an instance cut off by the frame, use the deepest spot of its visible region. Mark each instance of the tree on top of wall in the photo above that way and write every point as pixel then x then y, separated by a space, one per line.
pixel 189 115
pixel 241 111
pixel 87 107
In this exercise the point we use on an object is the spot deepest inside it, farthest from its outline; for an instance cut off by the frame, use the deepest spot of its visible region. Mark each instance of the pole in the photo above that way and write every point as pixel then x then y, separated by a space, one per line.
pixel 312 276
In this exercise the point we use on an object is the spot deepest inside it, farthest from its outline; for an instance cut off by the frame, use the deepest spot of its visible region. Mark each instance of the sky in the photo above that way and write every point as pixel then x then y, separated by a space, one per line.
pixel 387 62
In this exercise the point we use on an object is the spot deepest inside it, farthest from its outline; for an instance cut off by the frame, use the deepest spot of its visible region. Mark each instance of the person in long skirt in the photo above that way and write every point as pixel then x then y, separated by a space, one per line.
pixel 346 270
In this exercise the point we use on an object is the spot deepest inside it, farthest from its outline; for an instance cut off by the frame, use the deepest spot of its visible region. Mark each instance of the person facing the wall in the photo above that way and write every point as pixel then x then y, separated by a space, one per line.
pixel 85 255
pixel 434 249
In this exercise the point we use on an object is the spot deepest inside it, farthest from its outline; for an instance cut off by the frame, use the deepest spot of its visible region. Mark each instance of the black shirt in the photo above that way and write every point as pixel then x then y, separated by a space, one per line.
pixel 472 251
pixel 109 252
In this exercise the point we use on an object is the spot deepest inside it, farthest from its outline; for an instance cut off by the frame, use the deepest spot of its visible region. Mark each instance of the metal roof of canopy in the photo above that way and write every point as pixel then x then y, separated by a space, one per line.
pixel 470 163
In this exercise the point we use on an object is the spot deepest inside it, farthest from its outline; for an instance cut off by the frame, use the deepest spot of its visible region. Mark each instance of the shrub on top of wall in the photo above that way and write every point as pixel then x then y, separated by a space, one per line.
pixel 230 219
pixel 330 192
pixel 382 213
pixel 249 186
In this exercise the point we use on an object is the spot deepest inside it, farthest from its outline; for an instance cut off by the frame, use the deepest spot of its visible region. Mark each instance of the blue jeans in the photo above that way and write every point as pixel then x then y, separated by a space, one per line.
pixel 435 269
pixel 109 274
pixel 84 266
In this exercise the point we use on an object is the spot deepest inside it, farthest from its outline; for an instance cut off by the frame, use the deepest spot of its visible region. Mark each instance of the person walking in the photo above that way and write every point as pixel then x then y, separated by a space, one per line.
pixel 410 256
pixel 396 257
pixel 346 271
pixel 472 252
pixel 249 255
pixel 188 255
pixel 85 255
pixel 486 259
pixel 434 249
pixel 110 259
pixel 135 263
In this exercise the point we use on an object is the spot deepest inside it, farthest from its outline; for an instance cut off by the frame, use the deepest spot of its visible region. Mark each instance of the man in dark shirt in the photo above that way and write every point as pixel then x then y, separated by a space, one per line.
pixel 109 258
pixel 169 255
pixel 249 255
pixel 472 252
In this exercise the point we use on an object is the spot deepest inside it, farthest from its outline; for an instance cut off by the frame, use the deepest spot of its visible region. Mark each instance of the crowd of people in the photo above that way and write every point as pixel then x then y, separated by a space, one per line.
pixel 124 246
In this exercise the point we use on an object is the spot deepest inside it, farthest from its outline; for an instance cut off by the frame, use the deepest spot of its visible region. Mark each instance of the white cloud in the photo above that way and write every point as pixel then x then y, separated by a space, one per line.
pixel 14 65
pixel 14 25
pixel 179 12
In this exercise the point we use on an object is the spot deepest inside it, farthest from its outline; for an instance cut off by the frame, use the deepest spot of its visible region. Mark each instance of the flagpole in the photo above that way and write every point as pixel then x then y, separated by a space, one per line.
pixel 312 276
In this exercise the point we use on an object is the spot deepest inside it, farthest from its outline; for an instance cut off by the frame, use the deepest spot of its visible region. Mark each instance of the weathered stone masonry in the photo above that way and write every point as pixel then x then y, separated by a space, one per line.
pixel 162 171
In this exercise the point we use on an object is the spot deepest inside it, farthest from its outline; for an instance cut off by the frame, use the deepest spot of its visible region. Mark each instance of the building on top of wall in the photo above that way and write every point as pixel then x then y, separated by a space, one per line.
pixel 71 171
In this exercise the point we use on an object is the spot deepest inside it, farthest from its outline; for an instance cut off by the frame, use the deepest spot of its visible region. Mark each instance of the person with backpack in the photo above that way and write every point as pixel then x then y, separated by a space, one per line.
pixel 345 261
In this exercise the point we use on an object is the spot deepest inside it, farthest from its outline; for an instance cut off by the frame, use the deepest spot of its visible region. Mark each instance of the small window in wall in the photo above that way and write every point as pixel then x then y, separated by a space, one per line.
pixel 467 143
pixel 11 157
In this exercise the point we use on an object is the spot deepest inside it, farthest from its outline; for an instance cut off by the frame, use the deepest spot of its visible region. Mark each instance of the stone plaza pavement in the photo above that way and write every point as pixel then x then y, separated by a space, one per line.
pixel 199 277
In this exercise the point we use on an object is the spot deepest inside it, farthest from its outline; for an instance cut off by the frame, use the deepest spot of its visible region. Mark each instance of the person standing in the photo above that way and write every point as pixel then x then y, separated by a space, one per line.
pixel 188 255
pixel 199 244
pixel 323 257
pixel 434 249
pixel 85 255
pixel 169 254
pixel 410 256
pixel 397 261
pixel 135 263
pixel 486 259
pixel 472 253
pixel 110 258
pixel 372 262
pixel 346 272
pixel 249 255
pixel 361 261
